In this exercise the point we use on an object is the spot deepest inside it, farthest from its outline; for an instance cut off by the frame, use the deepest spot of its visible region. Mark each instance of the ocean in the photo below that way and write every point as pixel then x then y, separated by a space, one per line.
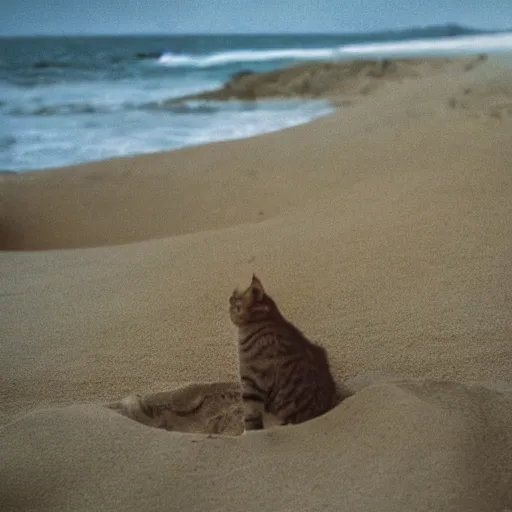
pixel 69 100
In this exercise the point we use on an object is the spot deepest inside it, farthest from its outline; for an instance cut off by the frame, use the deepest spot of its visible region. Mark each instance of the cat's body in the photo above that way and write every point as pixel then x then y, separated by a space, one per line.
pixel 281 371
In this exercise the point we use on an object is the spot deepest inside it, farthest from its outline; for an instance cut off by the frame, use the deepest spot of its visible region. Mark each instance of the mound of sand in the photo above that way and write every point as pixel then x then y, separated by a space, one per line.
pixel 329 79
pixel 395 446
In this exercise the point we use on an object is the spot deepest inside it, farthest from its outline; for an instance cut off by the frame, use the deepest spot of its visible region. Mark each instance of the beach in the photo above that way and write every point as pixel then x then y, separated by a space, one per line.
pixel 383 231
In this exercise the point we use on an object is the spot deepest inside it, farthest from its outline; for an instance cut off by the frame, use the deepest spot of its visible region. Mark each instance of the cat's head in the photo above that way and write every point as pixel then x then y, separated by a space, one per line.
pixel 251 305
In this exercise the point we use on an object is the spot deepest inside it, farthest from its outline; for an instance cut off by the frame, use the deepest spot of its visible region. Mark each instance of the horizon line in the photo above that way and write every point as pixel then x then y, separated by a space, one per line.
pixel 273 33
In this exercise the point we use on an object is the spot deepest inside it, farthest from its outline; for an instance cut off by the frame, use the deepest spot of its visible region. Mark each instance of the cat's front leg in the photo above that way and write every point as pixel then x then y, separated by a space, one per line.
pixel 253 416
pixel 253 399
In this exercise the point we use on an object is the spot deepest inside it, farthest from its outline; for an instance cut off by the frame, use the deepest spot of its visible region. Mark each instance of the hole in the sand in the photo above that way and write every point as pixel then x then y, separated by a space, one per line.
pixel 206 408
pixel 202 408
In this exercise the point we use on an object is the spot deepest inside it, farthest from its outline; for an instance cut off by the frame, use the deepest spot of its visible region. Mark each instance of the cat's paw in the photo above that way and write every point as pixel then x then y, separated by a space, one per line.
pixel 253 423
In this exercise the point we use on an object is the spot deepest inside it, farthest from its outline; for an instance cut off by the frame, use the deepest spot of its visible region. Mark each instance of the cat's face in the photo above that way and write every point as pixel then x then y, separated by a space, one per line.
pixel 251 305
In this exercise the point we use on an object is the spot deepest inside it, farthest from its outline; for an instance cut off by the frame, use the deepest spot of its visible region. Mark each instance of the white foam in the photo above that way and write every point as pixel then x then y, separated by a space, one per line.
pixel 477 43
pixel 230 125
pixel 68 140
pixel 217 59
pixel 487 43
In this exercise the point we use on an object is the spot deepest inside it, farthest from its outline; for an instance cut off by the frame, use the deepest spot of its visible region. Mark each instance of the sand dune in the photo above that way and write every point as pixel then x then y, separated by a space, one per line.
pixel 383 232
pixel 396 446
pixel 331 79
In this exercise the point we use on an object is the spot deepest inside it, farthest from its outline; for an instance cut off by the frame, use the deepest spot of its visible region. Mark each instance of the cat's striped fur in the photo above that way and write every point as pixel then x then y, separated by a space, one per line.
pixel 281 371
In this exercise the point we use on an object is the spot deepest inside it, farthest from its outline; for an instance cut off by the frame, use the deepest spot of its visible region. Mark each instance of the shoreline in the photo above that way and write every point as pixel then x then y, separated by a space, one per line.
pixel 375 72
pixel 188 146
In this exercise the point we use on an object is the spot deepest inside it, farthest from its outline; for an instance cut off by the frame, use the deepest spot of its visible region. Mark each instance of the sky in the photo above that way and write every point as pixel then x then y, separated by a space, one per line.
pixel 56 17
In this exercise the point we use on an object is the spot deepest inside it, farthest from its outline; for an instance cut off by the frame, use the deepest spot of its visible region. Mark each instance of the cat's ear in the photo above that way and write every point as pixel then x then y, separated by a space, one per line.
pixel 257 288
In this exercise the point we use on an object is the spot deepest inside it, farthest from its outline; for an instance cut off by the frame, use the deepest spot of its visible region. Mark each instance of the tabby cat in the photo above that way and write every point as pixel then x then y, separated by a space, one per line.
pixel 281 371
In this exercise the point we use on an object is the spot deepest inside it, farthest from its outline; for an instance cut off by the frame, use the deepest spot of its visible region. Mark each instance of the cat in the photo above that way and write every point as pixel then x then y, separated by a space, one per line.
pixel 281 371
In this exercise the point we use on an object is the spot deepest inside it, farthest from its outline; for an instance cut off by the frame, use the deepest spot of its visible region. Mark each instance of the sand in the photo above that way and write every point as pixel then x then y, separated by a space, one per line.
pixel 383 231
pixel 332 80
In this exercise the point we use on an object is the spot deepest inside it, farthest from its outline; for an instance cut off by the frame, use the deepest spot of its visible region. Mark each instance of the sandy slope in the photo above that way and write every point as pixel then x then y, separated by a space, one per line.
pixel 384 232
pixel 404 446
